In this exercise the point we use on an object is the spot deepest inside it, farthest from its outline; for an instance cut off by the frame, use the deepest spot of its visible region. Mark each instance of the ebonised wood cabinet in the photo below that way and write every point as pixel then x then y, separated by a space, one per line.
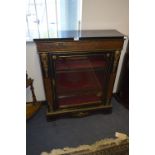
pixel 79 70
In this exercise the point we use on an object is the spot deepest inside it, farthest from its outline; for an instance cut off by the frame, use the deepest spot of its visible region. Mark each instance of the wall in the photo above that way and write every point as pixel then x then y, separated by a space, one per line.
pixel 96 14
pixel 106 14
pixel 34 71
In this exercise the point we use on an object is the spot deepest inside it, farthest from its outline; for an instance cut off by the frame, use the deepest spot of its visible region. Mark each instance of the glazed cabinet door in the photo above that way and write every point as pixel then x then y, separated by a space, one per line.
pixel 80 79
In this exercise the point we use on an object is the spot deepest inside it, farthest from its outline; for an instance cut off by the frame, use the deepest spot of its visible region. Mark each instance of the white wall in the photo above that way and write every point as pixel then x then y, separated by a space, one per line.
pixel 106 14
pixel 96 14
pixel 34 71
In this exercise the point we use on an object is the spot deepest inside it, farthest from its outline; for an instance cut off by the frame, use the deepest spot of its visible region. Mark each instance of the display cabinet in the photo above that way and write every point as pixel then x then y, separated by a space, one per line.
pixel 79 70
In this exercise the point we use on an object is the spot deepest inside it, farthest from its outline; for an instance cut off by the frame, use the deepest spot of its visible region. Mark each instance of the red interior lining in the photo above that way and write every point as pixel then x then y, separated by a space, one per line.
pixel 68 83
pixel 78 100
pixel 76 81
pixel 64 64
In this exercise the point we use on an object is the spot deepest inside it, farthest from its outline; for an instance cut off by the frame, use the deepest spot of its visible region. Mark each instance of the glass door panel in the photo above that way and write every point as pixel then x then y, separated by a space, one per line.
pixel 81 79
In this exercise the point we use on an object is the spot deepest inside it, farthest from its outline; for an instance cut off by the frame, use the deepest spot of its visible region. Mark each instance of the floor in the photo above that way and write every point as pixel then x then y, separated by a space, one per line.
pixel 45 136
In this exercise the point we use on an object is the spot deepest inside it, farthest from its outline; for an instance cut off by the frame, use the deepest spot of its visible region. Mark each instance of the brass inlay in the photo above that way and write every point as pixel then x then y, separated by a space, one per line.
pixel 54 57
pixel 80 114
pixel 99 94
pixel 108 54
pixel 53 82
pixel 44 60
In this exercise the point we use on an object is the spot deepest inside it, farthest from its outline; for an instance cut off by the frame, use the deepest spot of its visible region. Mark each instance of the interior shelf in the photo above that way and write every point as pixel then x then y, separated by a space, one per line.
pixel 79 64
pixel 83 82
pixel 79 100
pixel 79 93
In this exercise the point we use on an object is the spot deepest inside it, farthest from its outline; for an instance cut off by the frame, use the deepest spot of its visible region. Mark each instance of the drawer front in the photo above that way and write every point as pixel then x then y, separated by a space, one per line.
pixel 83 45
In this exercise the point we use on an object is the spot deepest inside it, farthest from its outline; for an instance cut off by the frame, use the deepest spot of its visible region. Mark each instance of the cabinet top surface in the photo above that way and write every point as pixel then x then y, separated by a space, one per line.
pixel 84 34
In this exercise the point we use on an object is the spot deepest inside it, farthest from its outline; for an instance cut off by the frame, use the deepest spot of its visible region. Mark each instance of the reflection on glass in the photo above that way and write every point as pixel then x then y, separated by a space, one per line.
pixel 80 80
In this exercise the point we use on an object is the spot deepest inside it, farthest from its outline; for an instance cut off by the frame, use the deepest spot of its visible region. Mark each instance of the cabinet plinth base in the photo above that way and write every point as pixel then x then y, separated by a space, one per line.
pixel 81 112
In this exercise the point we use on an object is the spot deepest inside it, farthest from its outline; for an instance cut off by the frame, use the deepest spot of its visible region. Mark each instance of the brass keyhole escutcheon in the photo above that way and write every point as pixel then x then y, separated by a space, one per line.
pixel 80 114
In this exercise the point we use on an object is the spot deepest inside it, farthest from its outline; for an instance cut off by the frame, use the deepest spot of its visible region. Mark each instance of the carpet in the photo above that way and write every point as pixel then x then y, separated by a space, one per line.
pixel 45 136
